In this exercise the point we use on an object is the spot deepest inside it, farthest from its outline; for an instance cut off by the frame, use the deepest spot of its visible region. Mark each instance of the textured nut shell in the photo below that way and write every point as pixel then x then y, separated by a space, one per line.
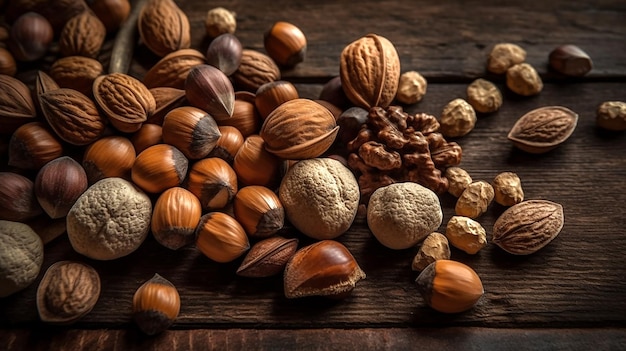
pixel 67 292
pixel 435 247
pixel 503 56
pixel 21 257
pixel 528 226
pixel 299 129
pixel 475 199
pixel 370 71
pixel 457 118
pixel 109 220
pixel 72 116
pixel 76 72
pixel 320 197
pixel 401 215
pixel 543 129
pixel 164 27
pixel 172 70
pixel 255 69
pixel 507 189
pixel 82 35
pixel 524 80
pixel 16 103
pixel 611 115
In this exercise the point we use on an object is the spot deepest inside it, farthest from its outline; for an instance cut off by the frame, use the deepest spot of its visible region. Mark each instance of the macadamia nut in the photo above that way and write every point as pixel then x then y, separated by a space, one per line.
pixel 435 247
pixel 458 180
pixel 508 189
pixel 466 234
pixel 484 96
pixel 475 199
pixel 503 56
pixel 457 119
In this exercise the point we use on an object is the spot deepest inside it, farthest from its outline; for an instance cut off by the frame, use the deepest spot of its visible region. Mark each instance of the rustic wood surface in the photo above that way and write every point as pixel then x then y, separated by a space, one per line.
pixel 569 295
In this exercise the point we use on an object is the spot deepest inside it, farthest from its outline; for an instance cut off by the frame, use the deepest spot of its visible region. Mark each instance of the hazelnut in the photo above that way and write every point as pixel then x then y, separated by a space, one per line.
pixel 285 44
pixel 326 268
pixel 220 237
pixel 31 35
pixel 484 96
pixel 112 13
pixel 225 53
pixel 268 257
pixel 21 257
pixel 8 65
pixel 191 130
pixel 273 94
pixel 255 165
pixel 611 115
pixel 32 146
pixel 449 286
pixel 148 135
pixel 209 89
pixel 175 217
pixel 58 185
pixel 17 198
pixel 524 80
pixel 457 119
pixel 219 21
pixel 245 116
pixel 214 182
pixel 412 87
pixel 228 144
pixel 259 211
pixel 159 167
pixel 503 56
pixel 156 305
pixel 111 156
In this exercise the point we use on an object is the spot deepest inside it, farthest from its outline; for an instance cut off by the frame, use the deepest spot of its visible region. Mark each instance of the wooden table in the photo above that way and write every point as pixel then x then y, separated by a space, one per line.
pixel 569 295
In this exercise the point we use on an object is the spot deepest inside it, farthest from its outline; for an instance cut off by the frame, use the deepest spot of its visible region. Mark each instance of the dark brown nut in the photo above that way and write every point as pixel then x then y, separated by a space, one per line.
pixel 611 115
pixel 163 27
pixel 524 80
pixel 31 35
pixel 110 156
pixel 159 168
pixel 33 145
pixel 172 70
pixel 333 92
pixel 17 198
pixel 543 129
pixel 225 53
pixel 8 65
pixel 220 21
pixel 268 257
pixel 214 182
pixel 57 12
pixel 503 56
pixel 209 89
pixel 76 72
pixel 484 96
pixel 43 84
pixel 82 35
pixel 271 95
pixel 255 69
pixel 59 183
pixel 412 87
pixel 16 104
pixel 193 131
pixel 457 119
pixel 375 155
pixel 285 44
pixel 350 122
pixel 570 60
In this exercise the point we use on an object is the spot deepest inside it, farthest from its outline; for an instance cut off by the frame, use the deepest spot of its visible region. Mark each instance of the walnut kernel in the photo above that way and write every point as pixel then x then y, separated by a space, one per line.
pixel 466 234
pixel 412 87
pixel 508 189
pixel 458 180
pixel 611 115
pixel 475 199
pixel 484 96
pixel 435 247
pixel 524 80
pixel 457 119
pixel 503 56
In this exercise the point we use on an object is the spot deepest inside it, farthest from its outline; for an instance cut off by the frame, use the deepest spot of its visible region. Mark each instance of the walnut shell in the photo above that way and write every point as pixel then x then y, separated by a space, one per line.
pixel 255 69
pixel 82 35
pixel 164 27
pixel 76 72
pixel 370 71
pixel 299 129
pixel 172 70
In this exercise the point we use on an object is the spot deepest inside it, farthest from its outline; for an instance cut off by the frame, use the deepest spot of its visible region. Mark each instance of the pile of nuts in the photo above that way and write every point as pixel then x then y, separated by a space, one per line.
pixel 215 150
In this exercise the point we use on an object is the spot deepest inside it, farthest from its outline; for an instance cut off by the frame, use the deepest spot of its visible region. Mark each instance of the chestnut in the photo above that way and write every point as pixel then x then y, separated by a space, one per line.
pixel 31 35
pixel 209 89
pixel 17 198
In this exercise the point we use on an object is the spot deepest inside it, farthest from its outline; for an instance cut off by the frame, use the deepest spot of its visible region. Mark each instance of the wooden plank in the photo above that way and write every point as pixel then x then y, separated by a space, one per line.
pixel 396 339
pixel 578 280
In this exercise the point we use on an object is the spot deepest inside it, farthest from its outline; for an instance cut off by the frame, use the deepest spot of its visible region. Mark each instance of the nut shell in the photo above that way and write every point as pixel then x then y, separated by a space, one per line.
pixel 17 198
pixel 110 156
pixel 16 104
pixel 268 257
pixel 76 72
pixel 271 95
pixel 159 167
pixel 255 165
pixel 82 35
pixel 33 145
pixel 175 217
pixel 220 237
pixel 214 182
pixel 255 69
pixel 543 129
pixel 21 257
pixel 209 89
pixel 225 53
pixel 285 44
pixel 163 27
pixel 156 305
pixel 58 185
pixel 191 130
pixel 449 286
pixel 259 210
pixel 172 70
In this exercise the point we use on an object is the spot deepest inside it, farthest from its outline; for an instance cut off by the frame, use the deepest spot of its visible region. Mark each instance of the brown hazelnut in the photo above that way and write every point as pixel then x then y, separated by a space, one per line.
pixel 159 167
pixel 256 166
pixel 112 13
pixel 214 182
pixel 59 184
pixel 209 89
pixel 285 44
pixel 245 116
pixel 259 211
pixel 449 286
pixel 31 35
pixel 273 94
pixel 220 237
pixel 225 52
pixel 148 135
pixel 7 62
pixel 228 144
pixel 156 305
pixel 17 198
pixel 193 131
pixel 111 156
pixel 175 217
pixel 32 146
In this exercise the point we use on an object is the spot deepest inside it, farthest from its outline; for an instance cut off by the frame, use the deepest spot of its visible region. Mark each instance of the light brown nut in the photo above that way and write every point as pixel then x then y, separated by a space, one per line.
pixel 412 87
pixel 164 27
pixel 21 257
pixel 475 199
pixel 466 234
pixel 435 247
pixel 458 180
pixel 172 70
pixel 524 80
pixel 219 21
pixel 484 96
pixel 508 189
pixel 457 118
pixel 82 35
pixel 611 115
pixel 527 227
pixel 76 72
pixel 255 69
pixel 543 129
pixel 503 56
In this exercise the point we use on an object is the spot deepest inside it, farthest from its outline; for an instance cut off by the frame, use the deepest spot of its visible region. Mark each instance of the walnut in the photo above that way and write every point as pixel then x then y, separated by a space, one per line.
pixel 394 146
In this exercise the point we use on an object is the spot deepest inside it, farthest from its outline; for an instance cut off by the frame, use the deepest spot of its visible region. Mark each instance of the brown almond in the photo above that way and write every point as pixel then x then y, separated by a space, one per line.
pixel 543 129
pixel 16 104
pixel 82 35
pixel 76 72
pixel 164 27
pixel 172 70
pixel 255 69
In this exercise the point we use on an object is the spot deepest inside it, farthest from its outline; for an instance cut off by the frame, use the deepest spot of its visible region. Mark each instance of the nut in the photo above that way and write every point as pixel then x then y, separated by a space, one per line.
pixel 17 198
pixel 570 60
pixel 484 96
pixel 57 12
pixel 126 101
pixel 504 56
pixel 255 165
pixel 508 189
pixel 32 146
pixel 611 115
pixel 255 69
pixel 148 135
pixel 268 257
pixel 43 84
pixel 220 237
pixel 457 119
pixel 320 197
pixel 163 27
pixel 76 72
pixel 412 87
pixel 72 116
pixel 325 268
pixel 273 94
pixel 527 227
pixel 214 182
pixel 543 129
pixel 435 247
pixel 159 167
pixel 175 217
pixel 191 130
pixel 466 234
pixel 259 211
pixel 245 116
pixel 220 21
pixel 112 13
pixel 225 53
pixel 449 286
pixel 458 180
pixel 285 44
pixel 109 220
pixel 172 70
pixel 16 104
pixel 31 35
pixel 228 144
pixel 67 292
pixel 299 129
pixel 166 99
pixel 58 185
pixel 110 156
pixel 82 35
pixel 475 199
pixel 524 80
pixel 370 71
pixel 21 257
pixel 350 122
pixel 8 66
pixel 209 89
pixel 156 305
pixel 332 91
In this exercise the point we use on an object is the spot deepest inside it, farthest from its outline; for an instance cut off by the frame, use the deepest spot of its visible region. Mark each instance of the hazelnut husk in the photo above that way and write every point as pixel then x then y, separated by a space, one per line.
pixel 259 211
pixel 59 184
pixel 214 182
pixel 220 237
pixel 17 198
pixel 209 89
pixel 268 257
pixel 175 217
pixel 156 305
pixel 32 146
pixel 193 131
pixel 285 44
pixel 159 167
pixel 111 156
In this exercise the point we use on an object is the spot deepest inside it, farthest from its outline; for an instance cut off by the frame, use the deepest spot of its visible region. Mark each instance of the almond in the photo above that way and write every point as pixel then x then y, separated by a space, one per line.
pixel 164 27
pixel 16 103
pixel 255 69
pixel 76 72
pixel 82 35
pixel 172 70
pixel 543 129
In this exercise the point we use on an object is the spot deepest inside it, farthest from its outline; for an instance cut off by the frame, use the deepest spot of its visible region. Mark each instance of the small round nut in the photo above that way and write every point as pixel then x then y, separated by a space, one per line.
pixel 21 257
pixel 524 80
pixel 611 115
pixel 484 96
pixel 219 21
pixel 458 180
pixel 412 87
pixel 435 247
pixel 401 215
pixel 475 199
pixel 508 189
pixel 503 56
pixel 457 119
pixel 466 234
